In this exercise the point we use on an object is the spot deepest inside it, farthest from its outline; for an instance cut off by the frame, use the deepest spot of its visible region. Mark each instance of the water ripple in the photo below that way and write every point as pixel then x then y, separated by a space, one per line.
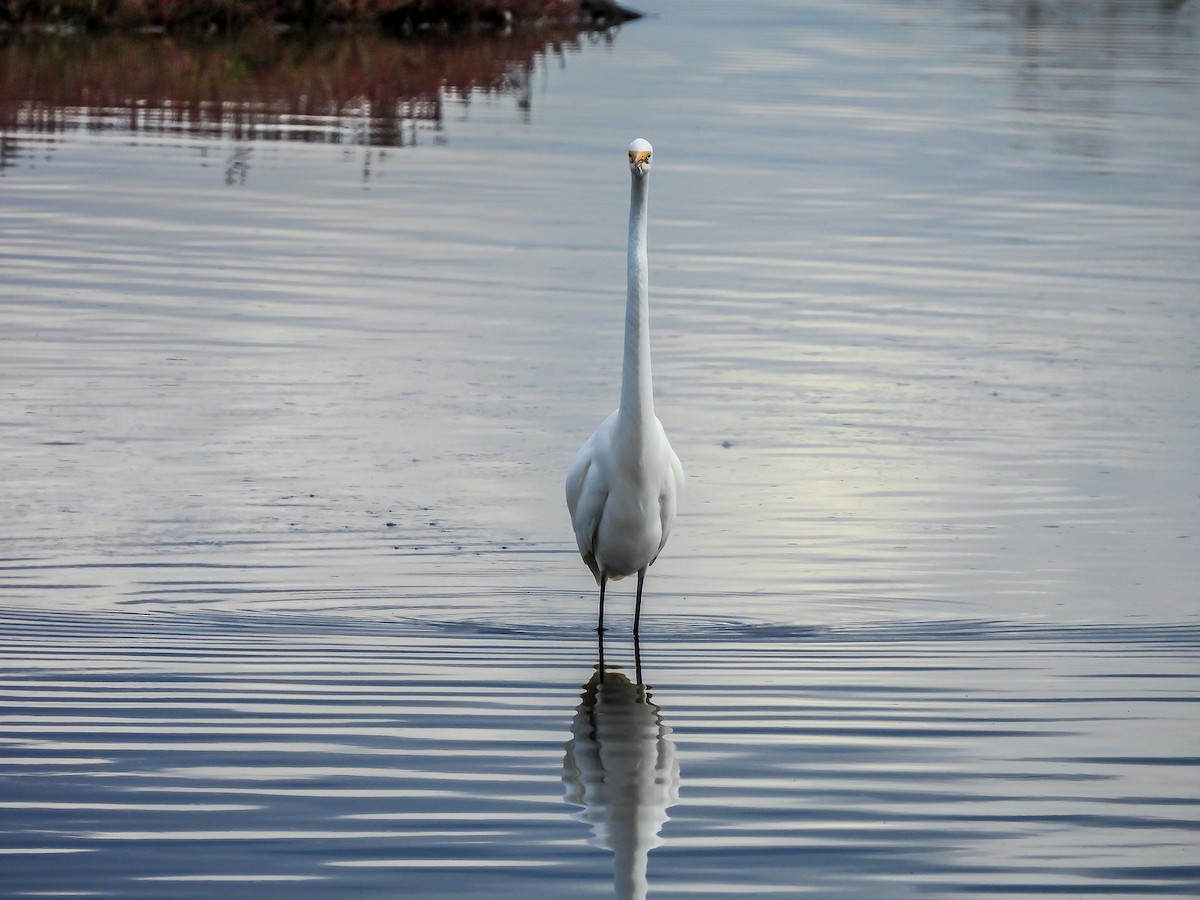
pixel 195 749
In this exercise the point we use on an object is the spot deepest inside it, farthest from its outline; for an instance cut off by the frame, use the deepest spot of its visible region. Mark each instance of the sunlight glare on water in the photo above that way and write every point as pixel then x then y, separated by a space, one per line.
pixel 289 598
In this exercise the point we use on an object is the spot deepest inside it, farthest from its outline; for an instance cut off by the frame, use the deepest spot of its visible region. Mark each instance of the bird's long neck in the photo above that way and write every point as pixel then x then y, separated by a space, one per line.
pixel 637 391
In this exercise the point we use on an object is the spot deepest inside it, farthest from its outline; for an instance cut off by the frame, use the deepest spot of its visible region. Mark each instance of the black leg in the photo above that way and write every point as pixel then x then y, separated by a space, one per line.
pixel 637 609
pixel 637 657
pixel 600 624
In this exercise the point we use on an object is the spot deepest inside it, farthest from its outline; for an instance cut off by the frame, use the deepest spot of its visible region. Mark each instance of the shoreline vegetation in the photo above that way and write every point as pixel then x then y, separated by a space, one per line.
pixel 398 17
pixel 360 72
pixel 359 85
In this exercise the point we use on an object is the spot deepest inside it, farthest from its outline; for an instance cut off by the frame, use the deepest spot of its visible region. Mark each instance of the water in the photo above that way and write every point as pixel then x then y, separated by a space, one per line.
pixel 181 753
pixel 289 597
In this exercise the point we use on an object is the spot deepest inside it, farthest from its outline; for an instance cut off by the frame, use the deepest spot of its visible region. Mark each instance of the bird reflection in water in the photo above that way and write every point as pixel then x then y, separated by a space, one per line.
pixel 620 767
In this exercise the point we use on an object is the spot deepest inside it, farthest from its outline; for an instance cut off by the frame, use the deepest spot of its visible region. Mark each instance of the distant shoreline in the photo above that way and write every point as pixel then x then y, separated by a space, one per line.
pixel 402 17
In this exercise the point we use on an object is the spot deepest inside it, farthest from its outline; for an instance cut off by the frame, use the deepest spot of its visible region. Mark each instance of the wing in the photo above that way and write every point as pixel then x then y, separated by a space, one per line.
pixel 668 498
pixel 587 492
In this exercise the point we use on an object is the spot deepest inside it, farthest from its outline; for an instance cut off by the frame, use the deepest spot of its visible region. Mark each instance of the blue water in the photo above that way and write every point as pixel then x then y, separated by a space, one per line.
pixel 289 600
pixel 181 754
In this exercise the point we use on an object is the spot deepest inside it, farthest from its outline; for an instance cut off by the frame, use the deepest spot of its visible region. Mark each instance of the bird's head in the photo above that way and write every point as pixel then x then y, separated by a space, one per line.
pixel 639 156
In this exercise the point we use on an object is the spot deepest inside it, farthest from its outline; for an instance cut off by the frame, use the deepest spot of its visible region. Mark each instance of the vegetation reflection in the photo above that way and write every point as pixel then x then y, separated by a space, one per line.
pixel 620 767
pixel 355 88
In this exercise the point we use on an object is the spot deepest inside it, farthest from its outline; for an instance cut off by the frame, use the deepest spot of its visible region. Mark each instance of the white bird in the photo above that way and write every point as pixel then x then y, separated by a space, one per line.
pixel 623 484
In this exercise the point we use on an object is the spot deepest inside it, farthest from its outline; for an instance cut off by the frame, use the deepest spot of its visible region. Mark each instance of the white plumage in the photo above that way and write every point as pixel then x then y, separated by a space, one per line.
pixel 624 482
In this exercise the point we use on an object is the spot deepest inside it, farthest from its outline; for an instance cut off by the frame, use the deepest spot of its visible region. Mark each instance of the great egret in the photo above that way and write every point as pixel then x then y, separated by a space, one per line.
pixel 623 484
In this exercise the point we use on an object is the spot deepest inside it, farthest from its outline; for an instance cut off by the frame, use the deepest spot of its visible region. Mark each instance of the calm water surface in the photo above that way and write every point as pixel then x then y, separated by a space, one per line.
pixel 289 602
